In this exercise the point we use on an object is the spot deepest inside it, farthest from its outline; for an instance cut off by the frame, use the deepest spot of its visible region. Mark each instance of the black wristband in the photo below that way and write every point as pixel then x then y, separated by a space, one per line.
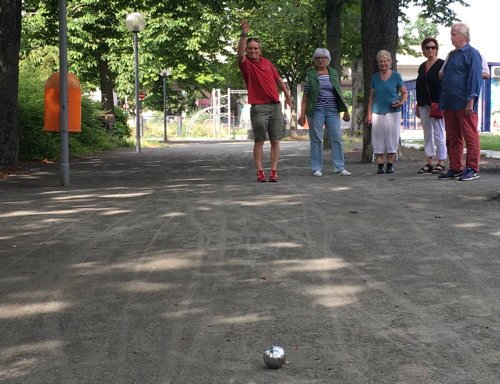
pixel 243 34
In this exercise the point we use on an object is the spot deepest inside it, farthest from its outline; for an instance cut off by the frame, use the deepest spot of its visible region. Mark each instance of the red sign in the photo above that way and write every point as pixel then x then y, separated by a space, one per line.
pixel 142 95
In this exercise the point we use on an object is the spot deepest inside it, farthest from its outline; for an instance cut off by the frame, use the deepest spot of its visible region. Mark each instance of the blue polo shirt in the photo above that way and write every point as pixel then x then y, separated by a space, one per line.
pixel 462 79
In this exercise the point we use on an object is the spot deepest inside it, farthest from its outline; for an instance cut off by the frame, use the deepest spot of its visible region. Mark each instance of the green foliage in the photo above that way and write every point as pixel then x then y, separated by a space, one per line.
pixel 289 31
pixel 196 38
pixel 360 97
pixel 121 128
pixel 35 144
pixel 436 11
pixel 348 97
pixel 351 36
pixel 414 33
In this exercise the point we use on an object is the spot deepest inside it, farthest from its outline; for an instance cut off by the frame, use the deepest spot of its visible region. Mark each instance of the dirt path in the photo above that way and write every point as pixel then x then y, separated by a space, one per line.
pixel 175 266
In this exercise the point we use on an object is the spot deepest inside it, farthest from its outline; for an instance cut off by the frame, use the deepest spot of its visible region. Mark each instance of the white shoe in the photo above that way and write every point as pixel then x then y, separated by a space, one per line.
pixel 317 173
pixel 344 173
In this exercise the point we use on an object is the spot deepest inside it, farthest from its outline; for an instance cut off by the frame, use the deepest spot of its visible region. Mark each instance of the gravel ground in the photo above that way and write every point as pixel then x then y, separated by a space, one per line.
pixel 175 266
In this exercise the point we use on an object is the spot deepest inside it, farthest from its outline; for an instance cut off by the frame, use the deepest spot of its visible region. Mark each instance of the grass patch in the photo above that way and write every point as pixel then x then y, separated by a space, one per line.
pixel 490 142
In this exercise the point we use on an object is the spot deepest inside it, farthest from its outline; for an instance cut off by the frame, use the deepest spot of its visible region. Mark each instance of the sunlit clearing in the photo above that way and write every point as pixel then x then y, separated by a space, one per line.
pixel 115 212
pixel 340 189
pixel 245 319
pixel 30 348
pixel 73 197
pixel 66 197
pixel 268 199
pixel 174 214
pixel 144 286
pixel 16 369
pixel 284 245
pixel 88 264
pixel 125 195
pixel 334 296
pixel 13 280
pixel 263 202
pixel 204 209
pixel 162 264
pixel 41 294
pixel 469 225
pixel 181 313
pixel 475 198
pixel 141 264
pixel 275 245
pixel 22 213
pixel 176 187
pixel 314 265
pixel 24 310
pixel 50 213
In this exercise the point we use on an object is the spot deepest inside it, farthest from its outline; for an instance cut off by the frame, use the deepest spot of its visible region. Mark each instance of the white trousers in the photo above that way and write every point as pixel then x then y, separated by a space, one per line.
pixel 434 134
pixel 386 129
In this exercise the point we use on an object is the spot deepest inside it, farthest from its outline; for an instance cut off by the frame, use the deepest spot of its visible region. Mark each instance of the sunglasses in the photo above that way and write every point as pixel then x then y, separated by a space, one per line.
pixel 430 47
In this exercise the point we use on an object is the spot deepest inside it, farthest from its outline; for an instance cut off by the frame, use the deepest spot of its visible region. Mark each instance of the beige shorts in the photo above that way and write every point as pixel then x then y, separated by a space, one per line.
pixel 267 121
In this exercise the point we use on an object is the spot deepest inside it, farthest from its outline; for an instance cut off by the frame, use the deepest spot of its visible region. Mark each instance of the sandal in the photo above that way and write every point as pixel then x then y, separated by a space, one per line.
pixel 426 169
pixel 438 169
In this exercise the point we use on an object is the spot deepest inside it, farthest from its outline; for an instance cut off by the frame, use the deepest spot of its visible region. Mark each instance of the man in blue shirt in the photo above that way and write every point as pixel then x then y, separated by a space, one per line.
pixel 460 88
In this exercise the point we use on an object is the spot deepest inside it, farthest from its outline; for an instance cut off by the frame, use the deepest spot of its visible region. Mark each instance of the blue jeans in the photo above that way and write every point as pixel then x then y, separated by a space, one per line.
pixel 330 118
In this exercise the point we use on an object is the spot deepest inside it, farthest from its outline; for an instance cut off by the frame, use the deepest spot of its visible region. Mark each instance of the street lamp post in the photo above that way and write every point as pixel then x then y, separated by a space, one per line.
pixel 63 92
pixel 165 73
pixel 135 23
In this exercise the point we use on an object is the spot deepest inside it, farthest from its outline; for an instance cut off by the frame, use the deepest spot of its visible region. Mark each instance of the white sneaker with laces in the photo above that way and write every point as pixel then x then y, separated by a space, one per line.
pixel 344 173
pixel 317 173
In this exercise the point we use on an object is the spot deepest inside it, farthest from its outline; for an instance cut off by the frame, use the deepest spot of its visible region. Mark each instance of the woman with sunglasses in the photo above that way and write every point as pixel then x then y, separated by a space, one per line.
pixel 428 87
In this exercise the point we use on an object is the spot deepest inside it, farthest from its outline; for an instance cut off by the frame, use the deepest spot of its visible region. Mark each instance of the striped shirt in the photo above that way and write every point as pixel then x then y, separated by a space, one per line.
pixel 326 96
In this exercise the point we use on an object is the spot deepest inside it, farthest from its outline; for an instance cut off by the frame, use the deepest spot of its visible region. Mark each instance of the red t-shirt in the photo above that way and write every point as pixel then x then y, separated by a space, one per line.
pixel 260 78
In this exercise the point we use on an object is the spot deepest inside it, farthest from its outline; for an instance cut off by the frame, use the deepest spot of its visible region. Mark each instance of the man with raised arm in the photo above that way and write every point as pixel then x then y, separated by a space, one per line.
pixel 262 81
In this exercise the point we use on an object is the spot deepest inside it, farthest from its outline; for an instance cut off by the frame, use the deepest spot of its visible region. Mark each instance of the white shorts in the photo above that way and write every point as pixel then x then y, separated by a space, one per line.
pixel 385 132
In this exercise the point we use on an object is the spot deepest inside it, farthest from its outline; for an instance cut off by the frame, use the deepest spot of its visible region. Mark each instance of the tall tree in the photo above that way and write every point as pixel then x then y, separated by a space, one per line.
pixel 379 30
pixel 10 40
pixel 190 36
pixel 334 33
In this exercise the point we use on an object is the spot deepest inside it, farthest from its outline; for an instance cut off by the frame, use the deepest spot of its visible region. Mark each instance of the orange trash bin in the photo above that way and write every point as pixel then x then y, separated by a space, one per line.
pixel 52 106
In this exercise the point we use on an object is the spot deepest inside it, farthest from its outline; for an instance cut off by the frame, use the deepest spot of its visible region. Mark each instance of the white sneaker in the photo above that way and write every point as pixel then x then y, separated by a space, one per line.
pixel 317 173
pixel 344 173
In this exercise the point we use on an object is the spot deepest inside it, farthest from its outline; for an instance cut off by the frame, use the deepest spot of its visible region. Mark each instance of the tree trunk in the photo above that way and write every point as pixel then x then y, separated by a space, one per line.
pixel 333 33
pixel 107 100
pixel 379 30
pixel 10 39
pixel 333 43
pixel 357 97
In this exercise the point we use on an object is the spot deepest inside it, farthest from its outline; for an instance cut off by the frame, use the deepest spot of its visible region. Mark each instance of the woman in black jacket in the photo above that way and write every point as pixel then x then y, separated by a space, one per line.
pixel 428 89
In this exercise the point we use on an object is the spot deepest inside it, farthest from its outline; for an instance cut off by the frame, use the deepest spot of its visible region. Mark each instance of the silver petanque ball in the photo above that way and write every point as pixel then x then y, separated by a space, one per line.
pixel 274 356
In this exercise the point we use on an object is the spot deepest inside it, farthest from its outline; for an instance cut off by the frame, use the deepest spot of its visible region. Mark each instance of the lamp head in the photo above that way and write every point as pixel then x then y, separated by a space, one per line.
pixel 135 22
pixel 166 72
